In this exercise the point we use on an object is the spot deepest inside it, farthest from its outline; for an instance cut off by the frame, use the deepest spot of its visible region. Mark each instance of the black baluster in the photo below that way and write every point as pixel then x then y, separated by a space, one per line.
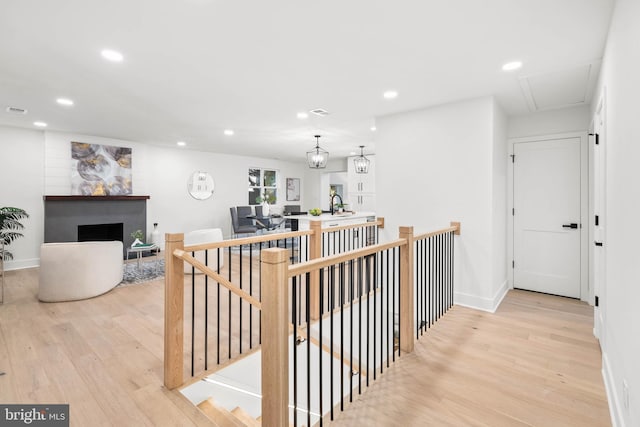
pixel 193 313
pixel 321 380
pixel 240 300
pixel 294 343
pixel 206 313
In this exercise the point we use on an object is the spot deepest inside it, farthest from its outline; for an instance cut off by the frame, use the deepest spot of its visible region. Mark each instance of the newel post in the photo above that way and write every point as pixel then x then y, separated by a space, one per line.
pixel 457 225
pixel 275 333
pixel 173 312
pixel 315 252
pixel 407 327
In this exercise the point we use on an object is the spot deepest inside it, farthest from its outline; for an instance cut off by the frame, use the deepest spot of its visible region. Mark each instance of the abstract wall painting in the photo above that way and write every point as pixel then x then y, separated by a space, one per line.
pixel 293 189
pixel 100 170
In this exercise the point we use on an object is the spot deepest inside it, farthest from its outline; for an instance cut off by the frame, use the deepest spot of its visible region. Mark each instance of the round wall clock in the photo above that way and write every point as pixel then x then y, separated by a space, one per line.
pixel 200 185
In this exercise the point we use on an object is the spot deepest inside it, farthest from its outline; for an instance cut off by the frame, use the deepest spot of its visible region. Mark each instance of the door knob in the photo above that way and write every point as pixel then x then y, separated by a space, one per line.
pixel 572 225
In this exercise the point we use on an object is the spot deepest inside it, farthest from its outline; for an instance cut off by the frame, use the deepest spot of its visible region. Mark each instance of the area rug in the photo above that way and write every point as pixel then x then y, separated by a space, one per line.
pixel 148 271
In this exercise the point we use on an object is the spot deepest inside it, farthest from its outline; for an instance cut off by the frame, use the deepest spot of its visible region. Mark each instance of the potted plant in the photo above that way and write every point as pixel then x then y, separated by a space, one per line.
pixel 265 199
pixel 9 226
pixel 138 235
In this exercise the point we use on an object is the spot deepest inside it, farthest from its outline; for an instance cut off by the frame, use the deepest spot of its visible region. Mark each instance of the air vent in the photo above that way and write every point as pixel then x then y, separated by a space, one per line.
pixel 320 112
pixel 16 110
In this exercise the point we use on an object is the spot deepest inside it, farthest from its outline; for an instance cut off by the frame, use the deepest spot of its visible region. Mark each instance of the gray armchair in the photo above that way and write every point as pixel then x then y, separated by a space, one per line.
pixel 239 221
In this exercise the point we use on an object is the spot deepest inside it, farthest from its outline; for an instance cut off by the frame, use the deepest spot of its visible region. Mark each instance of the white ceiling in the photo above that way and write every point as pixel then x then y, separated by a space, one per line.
pixel 193 68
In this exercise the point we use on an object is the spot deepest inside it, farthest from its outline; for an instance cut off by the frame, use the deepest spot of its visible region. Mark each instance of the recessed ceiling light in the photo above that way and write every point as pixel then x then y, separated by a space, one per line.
pixel 373 128
pixel 40 124
pixel 302 115
pixel 181 143
pixel 510 66
pixel 64 101
pixel 390 94
pixel 352 153
pixel 228 132
pixel 112 55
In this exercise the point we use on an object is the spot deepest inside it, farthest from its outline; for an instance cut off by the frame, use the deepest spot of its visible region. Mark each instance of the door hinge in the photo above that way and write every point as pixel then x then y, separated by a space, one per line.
pixel 513 158
pixel 597 301
pixel 598 243
pixel 513 264
pixel 597 220
pixel 597 137
pixel 513 211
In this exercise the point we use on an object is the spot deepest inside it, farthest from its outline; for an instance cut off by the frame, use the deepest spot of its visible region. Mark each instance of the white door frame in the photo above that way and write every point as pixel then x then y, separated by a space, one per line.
pixel 586 294
pixel 599 313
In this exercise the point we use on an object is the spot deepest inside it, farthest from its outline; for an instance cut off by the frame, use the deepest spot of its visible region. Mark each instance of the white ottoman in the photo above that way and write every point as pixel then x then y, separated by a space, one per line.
pixel 72 271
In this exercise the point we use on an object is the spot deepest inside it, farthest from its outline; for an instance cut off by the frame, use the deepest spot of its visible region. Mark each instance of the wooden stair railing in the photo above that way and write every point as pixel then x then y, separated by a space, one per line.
pixel 275 275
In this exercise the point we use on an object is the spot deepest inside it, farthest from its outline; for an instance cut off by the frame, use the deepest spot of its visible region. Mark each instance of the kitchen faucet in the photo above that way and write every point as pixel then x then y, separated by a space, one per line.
pixel 333 196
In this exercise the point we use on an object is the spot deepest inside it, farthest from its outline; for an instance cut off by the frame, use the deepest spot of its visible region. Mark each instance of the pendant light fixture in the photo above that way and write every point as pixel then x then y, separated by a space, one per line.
pixel 361 162
pixel 317 158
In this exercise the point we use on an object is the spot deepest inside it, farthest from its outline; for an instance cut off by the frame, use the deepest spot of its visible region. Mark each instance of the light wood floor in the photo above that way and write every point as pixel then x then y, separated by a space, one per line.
pixel 534 362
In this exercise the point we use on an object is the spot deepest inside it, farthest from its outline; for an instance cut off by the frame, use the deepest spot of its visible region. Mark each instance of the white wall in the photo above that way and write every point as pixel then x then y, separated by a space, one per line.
pixel 161 173
pixel 549 122
pixel 620 85
pixel 499 161
pixel 21 185
pixel 437 165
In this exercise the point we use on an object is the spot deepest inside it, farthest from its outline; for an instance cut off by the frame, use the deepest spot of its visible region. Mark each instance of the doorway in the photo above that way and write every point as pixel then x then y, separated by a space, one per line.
pixel 549 209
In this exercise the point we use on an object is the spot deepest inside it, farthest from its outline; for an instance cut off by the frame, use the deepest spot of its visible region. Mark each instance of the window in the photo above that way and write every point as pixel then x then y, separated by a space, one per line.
pixel 263 183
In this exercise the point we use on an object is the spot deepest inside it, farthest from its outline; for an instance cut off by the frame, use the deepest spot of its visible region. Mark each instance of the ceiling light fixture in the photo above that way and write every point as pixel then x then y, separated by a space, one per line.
pixel 302 116
pixel 317 158
pixel 64 101
pixel 40 124
pixel 112 55
pixel 373 128
pixel 361 162
pixel 510 66
pixel 228 132
pixel 390 94
pixel 181 143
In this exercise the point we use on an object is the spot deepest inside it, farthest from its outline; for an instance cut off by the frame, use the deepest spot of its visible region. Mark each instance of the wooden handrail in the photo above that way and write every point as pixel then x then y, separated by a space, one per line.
pixel 246 240
pixel 346 227
pixel 185 256
pixel 317 264
pixel 454 228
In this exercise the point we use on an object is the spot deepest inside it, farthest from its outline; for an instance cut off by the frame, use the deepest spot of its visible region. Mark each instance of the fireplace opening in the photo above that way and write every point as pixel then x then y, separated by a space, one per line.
pixel 100 232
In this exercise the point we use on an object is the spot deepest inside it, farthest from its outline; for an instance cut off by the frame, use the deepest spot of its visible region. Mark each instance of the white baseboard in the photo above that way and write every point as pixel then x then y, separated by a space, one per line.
pixel 22 263
pixel 615 407
pixel 482 303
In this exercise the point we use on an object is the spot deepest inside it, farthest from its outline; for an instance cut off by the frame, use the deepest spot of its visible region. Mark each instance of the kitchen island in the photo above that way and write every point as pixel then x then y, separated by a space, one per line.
pixel 335 220
pixel 341 240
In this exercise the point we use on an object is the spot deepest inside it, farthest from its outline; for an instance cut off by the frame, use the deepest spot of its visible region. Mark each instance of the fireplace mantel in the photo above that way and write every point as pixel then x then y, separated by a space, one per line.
pixel 92 198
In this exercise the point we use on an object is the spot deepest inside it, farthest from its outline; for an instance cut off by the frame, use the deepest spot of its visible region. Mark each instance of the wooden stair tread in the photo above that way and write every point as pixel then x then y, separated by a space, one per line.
pixel 245 418
pixel 219 415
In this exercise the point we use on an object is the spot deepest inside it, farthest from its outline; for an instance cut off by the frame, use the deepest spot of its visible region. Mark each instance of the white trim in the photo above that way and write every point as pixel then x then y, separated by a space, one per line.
pixel 21 264
pixel 584 204
pixel 481 303
pixel 615 407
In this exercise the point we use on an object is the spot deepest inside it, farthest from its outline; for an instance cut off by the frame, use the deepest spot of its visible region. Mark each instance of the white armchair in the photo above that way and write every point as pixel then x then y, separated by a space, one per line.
pixel 72 271
pixel 198 237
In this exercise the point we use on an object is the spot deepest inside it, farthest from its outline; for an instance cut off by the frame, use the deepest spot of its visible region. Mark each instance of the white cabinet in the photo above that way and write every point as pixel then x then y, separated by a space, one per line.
pixel 362 186
pixel 362 202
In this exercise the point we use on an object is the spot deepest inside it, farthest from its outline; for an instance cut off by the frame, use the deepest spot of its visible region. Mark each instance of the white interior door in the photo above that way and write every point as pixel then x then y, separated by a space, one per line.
pixel 547 229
